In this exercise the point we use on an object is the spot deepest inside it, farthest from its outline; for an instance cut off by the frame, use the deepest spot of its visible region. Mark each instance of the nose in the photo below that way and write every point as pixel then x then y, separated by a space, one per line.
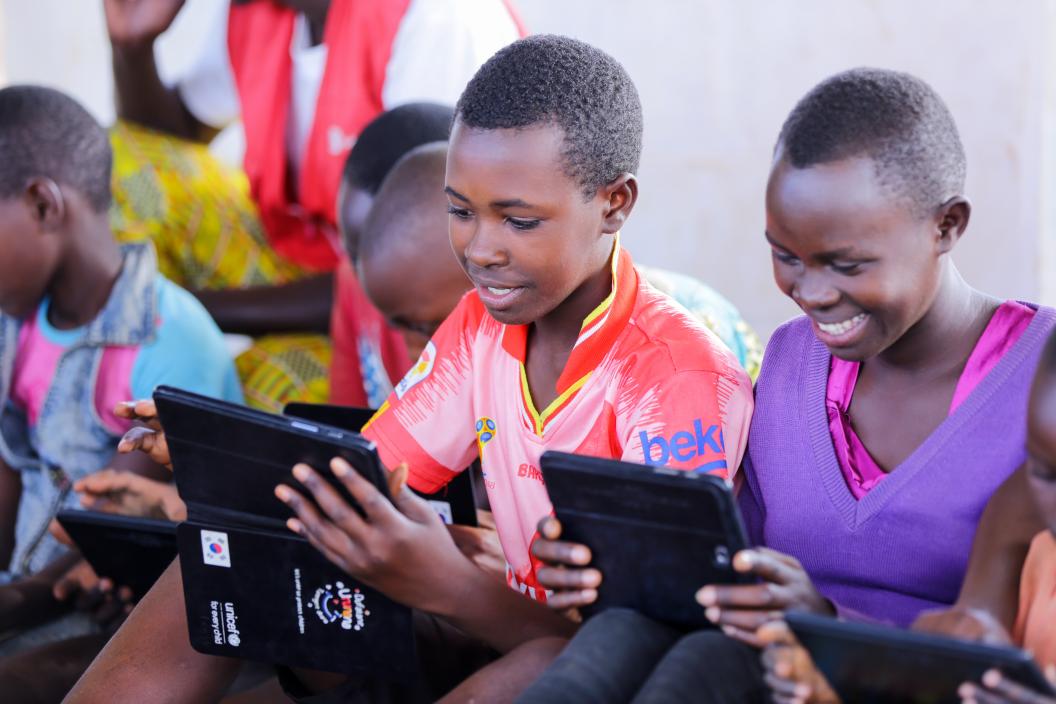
pixel 487 247
pixel 813 290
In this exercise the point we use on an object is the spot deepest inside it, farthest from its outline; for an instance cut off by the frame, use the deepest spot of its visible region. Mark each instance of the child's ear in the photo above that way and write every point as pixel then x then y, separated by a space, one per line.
pixel 953 216
pixel 620 196
pixel 47 206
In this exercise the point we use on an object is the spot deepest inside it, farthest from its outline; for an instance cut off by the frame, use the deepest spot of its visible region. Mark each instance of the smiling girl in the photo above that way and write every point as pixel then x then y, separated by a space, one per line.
pixel 886 416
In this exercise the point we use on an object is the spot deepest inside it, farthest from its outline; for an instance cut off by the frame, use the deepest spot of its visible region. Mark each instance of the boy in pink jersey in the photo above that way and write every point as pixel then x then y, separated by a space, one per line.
pixel 559 346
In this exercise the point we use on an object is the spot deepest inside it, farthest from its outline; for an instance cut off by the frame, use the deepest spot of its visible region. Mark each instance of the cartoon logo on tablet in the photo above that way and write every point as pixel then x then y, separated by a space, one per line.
pixel 338 603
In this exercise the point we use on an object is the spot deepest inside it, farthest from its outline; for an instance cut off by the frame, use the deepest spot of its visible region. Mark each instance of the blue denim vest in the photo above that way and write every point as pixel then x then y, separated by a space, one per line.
pixel 69 440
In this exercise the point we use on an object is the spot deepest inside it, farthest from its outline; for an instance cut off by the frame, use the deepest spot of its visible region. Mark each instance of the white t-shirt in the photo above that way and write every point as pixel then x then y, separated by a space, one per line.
pixel 438 47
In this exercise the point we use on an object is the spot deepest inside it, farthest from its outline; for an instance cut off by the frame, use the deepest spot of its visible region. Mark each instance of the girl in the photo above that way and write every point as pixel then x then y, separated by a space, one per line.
pixel 885 417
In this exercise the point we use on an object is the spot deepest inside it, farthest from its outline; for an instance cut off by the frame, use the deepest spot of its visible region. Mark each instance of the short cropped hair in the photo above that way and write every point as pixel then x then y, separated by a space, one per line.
pixel 413 188
pixel 45 133
pixel 548 79
pixel 389 136
pixel 893 118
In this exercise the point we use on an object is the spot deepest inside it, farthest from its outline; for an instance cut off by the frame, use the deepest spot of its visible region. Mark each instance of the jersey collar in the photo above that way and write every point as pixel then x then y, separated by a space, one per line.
pixel 597 335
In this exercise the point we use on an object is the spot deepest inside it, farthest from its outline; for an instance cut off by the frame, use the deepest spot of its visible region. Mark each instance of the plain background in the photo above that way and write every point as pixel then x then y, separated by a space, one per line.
pixel 717 78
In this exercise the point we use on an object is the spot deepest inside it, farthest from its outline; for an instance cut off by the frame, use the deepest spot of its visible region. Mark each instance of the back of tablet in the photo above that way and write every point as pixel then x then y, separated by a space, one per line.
pixel 657 535
pixel 228 459
pixel 133 552
pixel 262 595
pixel 454 503
pixel 869 663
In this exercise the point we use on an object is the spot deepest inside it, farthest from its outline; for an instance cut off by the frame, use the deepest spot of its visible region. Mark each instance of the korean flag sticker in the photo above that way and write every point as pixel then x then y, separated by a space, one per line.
pixel 215 550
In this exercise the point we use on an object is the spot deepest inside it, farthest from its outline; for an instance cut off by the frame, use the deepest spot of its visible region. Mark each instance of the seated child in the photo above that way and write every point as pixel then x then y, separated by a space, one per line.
pixel 83 324
pixel 367 354
pixel 539 182
pixel 886 416
pixel 789 666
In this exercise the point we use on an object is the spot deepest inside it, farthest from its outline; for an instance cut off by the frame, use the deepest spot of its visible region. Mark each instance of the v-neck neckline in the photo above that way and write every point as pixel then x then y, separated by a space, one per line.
pixel 857 512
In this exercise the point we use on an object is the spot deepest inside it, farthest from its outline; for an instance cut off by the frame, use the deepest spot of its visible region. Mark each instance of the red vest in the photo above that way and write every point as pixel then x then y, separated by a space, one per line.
pixel 300 222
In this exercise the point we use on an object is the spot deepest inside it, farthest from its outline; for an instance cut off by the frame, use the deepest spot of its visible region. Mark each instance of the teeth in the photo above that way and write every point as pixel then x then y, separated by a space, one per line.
pixel 499 291
pixel 840 328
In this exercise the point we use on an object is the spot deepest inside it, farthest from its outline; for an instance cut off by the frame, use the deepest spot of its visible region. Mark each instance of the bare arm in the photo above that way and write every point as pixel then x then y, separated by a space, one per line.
pixel 150 658
pixel 10 494
pixel 1008 524
pixel 133 26
pixel 301 306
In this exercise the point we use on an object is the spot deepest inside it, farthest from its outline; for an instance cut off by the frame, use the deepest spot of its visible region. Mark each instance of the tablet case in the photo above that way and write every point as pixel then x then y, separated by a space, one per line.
pixel 657 535
pixel 454 503
pixel 132 552
pixel 252 588
pixel 869 663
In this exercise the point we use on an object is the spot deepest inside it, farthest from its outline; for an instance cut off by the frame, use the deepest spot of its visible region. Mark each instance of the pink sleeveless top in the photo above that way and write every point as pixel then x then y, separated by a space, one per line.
pixel 859 468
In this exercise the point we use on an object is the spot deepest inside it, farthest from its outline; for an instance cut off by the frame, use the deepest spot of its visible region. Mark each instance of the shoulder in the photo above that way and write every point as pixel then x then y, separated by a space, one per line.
pixel 667 338
pixel 183 323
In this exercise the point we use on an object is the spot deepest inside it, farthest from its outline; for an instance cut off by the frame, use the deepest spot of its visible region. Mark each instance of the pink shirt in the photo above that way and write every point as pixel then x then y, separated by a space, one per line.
pixel 859 468
pixel 644 383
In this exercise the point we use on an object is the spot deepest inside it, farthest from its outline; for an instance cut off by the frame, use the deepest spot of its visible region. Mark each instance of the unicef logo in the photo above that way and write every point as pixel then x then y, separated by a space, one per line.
pixel 233 639
pixel 485 431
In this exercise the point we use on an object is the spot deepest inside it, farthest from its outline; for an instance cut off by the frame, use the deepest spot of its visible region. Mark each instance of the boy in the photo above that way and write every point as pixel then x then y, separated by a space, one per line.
pixel 368 355
pixel 83 323
pixel 539 181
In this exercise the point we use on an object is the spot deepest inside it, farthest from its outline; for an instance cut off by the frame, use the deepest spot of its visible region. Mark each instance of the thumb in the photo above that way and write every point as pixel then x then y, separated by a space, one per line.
pixel 775 632
pixel 413 506
pixel 397 479
pixel 63 589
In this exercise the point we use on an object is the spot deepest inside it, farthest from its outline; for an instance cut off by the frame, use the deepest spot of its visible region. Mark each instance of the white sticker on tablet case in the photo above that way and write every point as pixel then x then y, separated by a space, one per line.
pixel 215 550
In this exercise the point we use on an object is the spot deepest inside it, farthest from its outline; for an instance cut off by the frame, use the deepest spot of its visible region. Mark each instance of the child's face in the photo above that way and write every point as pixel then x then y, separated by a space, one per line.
pixel 1041 444
pixel 856 260
pixel 29 256
pixel 519 224
pixel 415 287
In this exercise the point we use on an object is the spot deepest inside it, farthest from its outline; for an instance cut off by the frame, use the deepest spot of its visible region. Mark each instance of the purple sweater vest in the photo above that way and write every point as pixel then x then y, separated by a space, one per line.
pixel 904 547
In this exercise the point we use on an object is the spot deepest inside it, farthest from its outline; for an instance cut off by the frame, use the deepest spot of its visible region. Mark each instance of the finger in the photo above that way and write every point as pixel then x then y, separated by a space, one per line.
pixel 63 589
pixel 59 533
pixel 415 507
pixel 397 479
pixel 549 527
pixel 563 578
pixel 1011 690
pixel 742 620
pixel 742 596
pixel 375 506
pixel 345 558
pixel 745 636
pixel 96 482
pixel 768 565
pixel 560 601
pixel 560 552
pixel 321 533
pixel 776 632
pixel 333 506
pixel 787 689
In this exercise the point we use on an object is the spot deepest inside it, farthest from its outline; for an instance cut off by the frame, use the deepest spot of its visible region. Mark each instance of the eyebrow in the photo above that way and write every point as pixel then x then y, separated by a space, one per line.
pixel 506 203
pixel 845 252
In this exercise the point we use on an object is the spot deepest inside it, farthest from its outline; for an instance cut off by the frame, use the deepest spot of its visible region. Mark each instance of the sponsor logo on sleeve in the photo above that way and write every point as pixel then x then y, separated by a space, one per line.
pixel 421 369
pixel 215 548
pixel 686 446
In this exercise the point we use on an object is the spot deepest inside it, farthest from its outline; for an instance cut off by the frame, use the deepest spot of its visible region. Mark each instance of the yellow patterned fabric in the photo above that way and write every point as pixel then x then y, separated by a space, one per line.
pixel 198 213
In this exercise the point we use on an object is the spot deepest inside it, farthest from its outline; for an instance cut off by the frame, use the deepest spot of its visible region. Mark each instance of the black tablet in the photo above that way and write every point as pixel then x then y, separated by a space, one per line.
pixel 132 552
pixel 870 663
pixel 454 503
pixel 230 458
pixel 657 535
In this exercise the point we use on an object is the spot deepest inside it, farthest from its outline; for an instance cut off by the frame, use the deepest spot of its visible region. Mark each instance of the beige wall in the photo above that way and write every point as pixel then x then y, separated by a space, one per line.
pixel 717 77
